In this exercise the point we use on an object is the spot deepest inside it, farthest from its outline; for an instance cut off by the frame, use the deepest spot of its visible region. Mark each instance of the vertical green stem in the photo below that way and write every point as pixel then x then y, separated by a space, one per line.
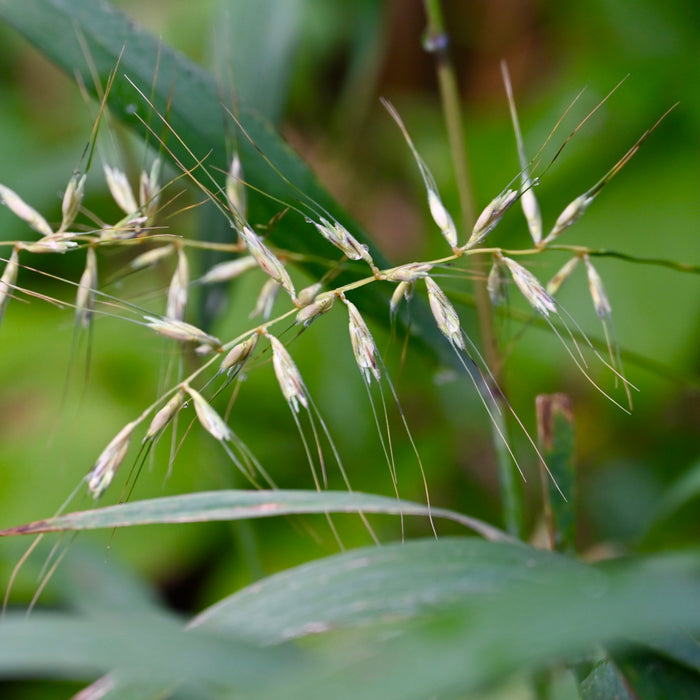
pixel 436 41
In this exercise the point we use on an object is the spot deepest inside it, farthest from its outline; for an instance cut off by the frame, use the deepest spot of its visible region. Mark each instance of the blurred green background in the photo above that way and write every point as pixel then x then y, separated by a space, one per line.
pixel 317 69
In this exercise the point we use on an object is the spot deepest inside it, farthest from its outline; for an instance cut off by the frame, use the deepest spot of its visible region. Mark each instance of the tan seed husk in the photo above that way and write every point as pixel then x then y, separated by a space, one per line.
pixel 104 469
pixel 72 199
pixel 556 282
pixel 87 287
pixel 165 414
pixel 312 311
pixel 363 346
pixel 8 279
pixel 182 332
pixel 266 259
pixel 531 288
pixel 595 285
pixel 22 210
pixel 288 376
pixel 211 421
pixel 445 315
pixel 120 189
pixel 228 270
pixel 239 353
pixel 177 293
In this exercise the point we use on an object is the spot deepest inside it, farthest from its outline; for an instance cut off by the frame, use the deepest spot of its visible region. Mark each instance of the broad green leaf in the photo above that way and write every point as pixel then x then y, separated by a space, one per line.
pixel 483 640
pixel 391 582
pixel 152 648
pixel 237 505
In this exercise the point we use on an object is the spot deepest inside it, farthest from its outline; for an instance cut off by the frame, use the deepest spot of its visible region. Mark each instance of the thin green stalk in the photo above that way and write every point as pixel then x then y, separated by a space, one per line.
pixel 436 41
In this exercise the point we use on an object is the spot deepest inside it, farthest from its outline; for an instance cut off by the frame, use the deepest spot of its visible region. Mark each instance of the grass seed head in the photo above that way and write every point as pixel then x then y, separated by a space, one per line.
pixel 165 414
pixel 104 469
pixel 55 243
pixel 312 311
pixel 403 290
pixel 496 284
pixel 442 217
pixel 571 214
pixel 308 294
pixel 177 293
pixel 531 210
pixel 120 189
pixel 235 189
pixel 266 259
pixel 288 376
pixel 211 421
pixel 363 346
pixel 490 217
pixel 556 282
pixel 445 315
pixel 182 332
pixel 8 279
pixel 266 300
pixel 228 270
pixel 408 273
pixel 85 297
pixel 342 239
pixel 239 353
pixel 595 285
pixel 22 210
pixel 151 257
pixel 149 191
pixel 531 288
pixel 72 199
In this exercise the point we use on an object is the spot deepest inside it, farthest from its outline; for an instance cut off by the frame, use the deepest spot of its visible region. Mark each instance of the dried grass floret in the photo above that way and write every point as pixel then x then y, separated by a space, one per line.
pixel 72 199
pixel 151 257
pixel 342 239
pixel 408 273
pixel 87 287
pixel 120 189
pixel 235 190
pixel 403 290
pixel 490 217
pixel 445 315
pixel 437 209
pixel 266 259
pixel 211 421
pixel 554 285
pixel 8 279
pixel 363 346
pixel 309 313
pixel 165 414
pixel 531 287
pixel 228 270
pixel 23 211
pixel 177 292
pixel 104 469
pixel 182 332
pixel 496 283
pixel 288 376
pixel 239 353
pixel 149 191
pixel 266 300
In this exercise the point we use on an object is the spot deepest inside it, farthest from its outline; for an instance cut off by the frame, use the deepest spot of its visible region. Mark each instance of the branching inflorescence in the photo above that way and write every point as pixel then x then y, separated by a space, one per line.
pixel 222 361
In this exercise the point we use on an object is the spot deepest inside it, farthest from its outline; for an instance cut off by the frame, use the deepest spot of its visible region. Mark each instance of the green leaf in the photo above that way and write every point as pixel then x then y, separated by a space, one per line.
pixel 237 505
pixel 392 582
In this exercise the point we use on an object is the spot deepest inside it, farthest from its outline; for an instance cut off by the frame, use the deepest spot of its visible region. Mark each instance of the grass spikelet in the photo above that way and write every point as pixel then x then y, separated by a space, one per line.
pixel 182 332
pixel 342 239
pixel 531 288
pixel 235 190
pixel 490 217
pixel 149 192
pixel 363 346
pixel 151 257
pixel 8 279
pixel 309 294
pixel 165 415
pixel 238 354
pixel 528 201
pixel 72 199
pixel 120 189
pixel 445 315
pixel 266 300
pixel 104 469
pixel 571 214
pixel 309 313
pixel 403 290
pixel 496 284
pixel 228 270
pixel 85 297
pixel 177 293
pixel 408 273
pixel 554 285
pixel 266 259
pixel 23 211
pixel 437 209
pixel 288 376
pixel 211 421
pixel 55 243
